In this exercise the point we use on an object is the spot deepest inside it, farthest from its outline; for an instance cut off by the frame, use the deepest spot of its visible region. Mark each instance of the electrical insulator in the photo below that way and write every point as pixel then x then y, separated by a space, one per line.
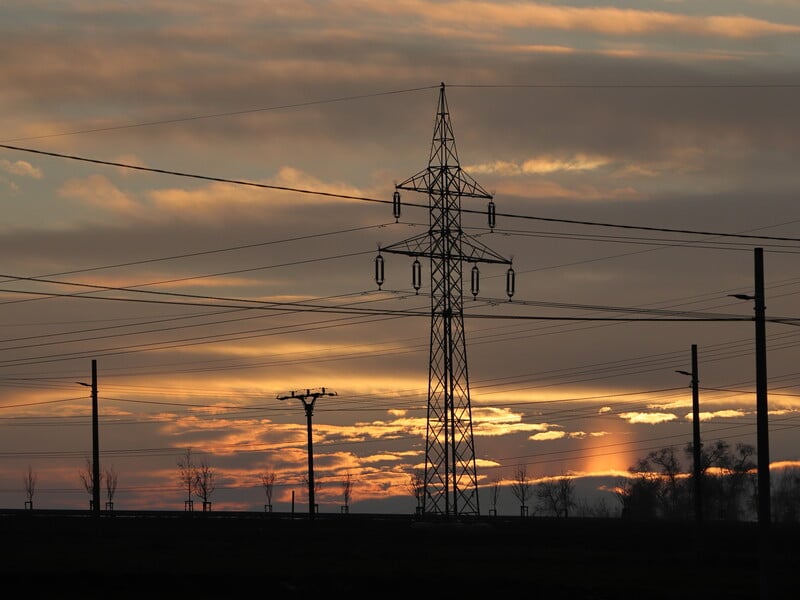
pixel 510 282
pixel 416 275
pixel 475 282
pixel 491 213
pixel 379 270
pixel 396 205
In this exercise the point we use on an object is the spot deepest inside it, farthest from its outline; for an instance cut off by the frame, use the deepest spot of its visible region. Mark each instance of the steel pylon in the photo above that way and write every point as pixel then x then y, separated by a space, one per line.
pixel 451 481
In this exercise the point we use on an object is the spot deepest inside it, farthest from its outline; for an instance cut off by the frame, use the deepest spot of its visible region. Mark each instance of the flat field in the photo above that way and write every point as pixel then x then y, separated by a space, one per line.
pixel 224 555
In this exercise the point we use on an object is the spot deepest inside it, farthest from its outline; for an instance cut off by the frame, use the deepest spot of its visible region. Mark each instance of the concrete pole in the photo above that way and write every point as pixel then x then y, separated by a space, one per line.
pixel 95 444
pixel 696 444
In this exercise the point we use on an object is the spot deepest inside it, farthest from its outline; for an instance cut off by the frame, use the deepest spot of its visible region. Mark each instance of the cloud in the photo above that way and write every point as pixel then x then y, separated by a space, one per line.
pixel 10 184
pixel 20 168
pixel 648 418
pixel 540 165
pixel 604 20
pixel 97 191
pixel 552 190
pixel 547 435
pixel 718 414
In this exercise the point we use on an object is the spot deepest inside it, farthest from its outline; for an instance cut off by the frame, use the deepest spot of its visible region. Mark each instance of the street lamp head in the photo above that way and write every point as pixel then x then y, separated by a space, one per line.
pixel 85 384
pixel 684 373
pixel 742 296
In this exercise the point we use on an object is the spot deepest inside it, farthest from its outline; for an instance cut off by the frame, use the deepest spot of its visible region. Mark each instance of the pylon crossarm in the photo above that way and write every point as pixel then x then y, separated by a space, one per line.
pixel 471 250
pixel 474 251
pixel 419 245
pixel 459 183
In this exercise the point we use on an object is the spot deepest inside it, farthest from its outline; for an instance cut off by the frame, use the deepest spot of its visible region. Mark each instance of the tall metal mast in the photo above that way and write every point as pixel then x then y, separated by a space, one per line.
pixel 451 483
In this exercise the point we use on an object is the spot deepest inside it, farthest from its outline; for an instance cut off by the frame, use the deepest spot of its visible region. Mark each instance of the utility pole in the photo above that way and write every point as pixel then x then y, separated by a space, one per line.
pixel 95 441
pixel 762 422
pixel 451 485
pixel 762 409
pixel 309 399
pixel 696 444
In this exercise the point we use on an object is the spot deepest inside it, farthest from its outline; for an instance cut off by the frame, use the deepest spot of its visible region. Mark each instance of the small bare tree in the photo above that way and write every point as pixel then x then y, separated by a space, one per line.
pixel 110 478
pixel 203 481
pixel 186 476
pixel 87 478
pixel 347 491
pixel 557 496
pixel 30 486
pixel 521 487
pixel 494 490
pixel 416 486
pixel 268 482
pixel 317 488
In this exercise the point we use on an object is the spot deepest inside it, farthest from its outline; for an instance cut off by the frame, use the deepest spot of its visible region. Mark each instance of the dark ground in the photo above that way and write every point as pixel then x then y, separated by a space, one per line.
pixel 226 555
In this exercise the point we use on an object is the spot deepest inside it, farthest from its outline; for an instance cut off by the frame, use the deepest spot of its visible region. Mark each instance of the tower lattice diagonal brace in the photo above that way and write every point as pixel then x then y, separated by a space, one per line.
pixel 450 480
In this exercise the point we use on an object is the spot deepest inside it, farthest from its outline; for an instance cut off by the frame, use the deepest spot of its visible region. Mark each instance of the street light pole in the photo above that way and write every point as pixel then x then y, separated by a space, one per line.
pixel 762 424
pixel 309 399
pixel 696 444
pixel 762 409
pixel 95 442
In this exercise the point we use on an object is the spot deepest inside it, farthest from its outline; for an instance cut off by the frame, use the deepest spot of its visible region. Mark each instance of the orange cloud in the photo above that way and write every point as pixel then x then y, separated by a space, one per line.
pixel 648 418
pixel 20 168
pixel 605 20
pixel 541 165
pixel 547 435
pixel 97 191
pixel 554 190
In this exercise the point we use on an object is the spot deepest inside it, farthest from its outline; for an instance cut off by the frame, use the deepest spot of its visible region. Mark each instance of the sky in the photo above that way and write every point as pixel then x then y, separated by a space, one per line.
pixel 637 154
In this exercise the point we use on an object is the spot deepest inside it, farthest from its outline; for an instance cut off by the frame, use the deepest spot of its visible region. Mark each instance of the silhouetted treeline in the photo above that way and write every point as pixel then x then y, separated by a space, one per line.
pixel 663 488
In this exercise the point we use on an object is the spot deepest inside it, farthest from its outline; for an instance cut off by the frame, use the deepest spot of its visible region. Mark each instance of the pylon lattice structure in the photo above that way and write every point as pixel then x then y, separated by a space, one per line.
pixel 451 482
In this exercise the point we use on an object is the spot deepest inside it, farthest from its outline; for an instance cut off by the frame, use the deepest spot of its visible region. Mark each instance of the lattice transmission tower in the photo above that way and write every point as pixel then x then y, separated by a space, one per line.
pixel 450 480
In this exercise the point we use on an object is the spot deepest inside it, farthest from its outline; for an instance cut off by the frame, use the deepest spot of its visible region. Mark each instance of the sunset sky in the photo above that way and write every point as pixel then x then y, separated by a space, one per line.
pixel 637 153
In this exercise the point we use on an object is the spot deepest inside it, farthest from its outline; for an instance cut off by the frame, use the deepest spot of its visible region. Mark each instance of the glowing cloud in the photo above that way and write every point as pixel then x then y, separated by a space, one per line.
pixel 547 435
pixel 647 418
pixel 718 414
pixel 541 165
pixel 98 191
pixel 21 168
pixel 607 20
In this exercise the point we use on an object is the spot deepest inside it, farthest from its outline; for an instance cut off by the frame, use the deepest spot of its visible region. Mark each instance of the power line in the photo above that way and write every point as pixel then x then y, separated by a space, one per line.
pixel 222 114
pixel 217 251
pixel 629 85
pixel 377 200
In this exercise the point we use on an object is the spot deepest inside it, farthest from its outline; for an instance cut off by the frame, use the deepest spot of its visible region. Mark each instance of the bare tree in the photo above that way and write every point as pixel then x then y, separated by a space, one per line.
pixel 416 486
pixel 566 493
pixel 494 491
pixel 268 482
pixel 556 496
pixel 30 486
pixel 111 486
pixel 521 487
pixel 186 476
pixel 203 481
pixel 347 491
pixel 598 509
pixel 658 488
pixel 786 497
pixel 87 478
